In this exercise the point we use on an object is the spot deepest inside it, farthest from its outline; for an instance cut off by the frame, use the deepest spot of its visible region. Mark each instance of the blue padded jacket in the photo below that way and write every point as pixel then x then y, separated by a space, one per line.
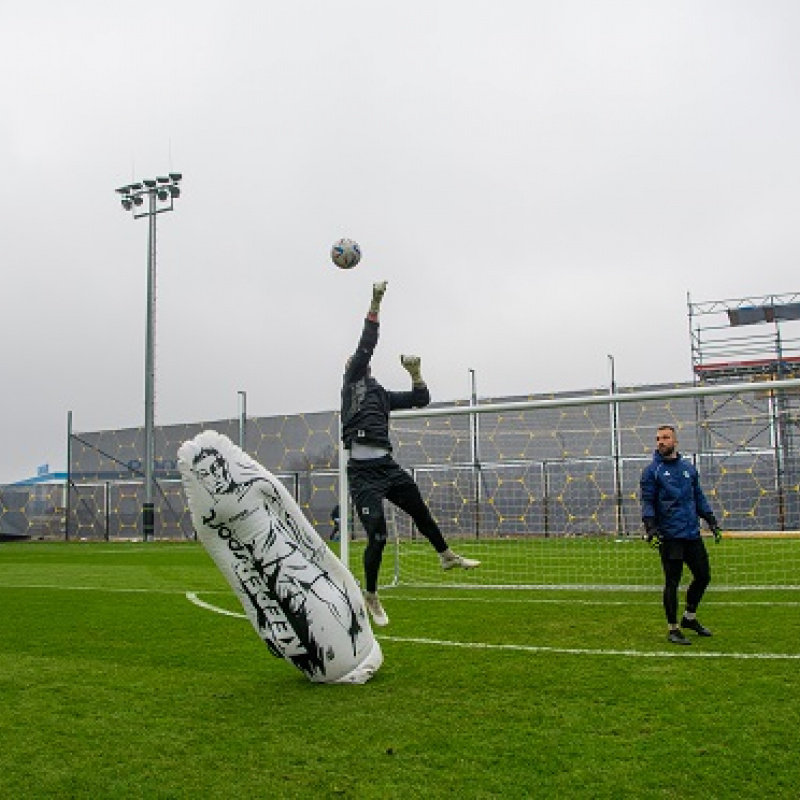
pixel 671 495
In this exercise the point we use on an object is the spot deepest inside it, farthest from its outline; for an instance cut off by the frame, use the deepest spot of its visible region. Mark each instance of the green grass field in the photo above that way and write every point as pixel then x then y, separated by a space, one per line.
pixel 114 685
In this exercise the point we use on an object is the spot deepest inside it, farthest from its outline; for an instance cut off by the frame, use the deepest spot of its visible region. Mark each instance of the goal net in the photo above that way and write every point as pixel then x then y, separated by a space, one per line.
pixel 545 493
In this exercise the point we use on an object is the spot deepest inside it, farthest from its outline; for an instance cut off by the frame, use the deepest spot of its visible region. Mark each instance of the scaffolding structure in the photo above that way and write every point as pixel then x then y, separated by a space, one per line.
pixel 750 339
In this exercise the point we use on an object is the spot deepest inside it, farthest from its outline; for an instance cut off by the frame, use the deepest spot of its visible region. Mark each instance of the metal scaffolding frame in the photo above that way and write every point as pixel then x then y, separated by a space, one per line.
pixel 750 339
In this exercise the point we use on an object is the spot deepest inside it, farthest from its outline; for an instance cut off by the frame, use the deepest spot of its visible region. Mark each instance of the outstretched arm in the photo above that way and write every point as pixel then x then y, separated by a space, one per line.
pixel 413 365
pixel 419 395
pixel 358 363
pixel 378 291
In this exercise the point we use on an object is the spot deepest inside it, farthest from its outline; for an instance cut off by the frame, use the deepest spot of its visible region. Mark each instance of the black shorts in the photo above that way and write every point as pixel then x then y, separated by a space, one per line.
pixel 373 480
pixel 692 552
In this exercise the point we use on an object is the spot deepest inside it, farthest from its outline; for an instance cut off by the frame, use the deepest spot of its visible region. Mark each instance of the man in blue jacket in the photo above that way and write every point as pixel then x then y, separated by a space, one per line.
pixel 372 473
pixel 672 502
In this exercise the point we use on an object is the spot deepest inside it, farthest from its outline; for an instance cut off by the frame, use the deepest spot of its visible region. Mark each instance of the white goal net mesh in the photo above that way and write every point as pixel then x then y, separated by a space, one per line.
pixel 545 493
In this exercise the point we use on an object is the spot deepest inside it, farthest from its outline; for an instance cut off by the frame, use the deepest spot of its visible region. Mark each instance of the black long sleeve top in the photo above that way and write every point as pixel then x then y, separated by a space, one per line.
pixel 366 405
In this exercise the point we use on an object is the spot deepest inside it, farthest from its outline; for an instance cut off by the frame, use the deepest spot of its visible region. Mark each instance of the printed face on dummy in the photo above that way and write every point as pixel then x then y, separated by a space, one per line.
pixel 212 470
pixel 666 442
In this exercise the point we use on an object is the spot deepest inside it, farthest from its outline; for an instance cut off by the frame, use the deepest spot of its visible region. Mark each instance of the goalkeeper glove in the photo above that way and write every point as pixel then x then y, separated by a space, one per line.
pixel 715 528
pixel 378 291
pixel 652 535
pixel 413 365
pixel 654 539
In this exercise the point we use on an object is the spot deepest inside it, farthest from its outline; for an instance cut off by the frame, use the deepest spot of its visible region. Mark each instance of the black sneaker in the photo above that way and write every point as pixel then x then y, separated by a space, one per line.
pixel 694 625
pixel 676 637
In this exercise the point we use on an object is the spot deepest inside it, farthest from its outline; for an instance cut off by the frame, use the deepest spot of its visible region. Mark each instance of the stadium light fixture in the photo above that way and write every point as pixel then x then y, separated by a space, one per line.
pixel 160 193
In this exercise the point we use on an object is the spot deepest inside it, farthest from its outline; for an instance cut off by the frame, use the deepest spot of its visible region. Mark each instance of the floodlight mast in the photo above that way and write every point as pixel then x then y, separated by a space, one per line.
pixel 160 194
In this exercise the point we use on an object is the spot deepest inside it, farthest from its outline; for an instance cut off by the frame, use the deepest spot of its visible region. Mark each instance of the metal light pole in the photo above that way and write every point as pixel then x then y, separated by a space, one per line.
pixel 344 515
pixel 475 453
pixel 615 448
pixel 242 419
pixel 68 486
pixel 160 193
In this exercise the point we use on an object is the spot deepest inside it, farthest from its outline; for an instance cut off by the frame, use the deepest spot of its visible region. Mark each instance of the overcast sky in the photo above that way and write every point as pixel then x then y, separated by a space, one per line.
pixel 540 181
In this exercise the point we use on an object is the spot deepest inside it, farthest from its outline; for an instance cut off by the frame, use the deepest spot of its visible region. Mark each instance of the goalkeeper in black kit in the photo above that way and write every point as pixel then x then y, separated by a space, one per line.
pixel 372 473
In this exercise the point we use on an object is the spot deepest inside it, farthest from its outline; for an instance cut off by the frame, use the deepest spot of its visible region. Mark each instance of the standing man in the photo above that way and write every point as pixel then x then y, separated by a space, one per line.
pixel 372 473
pixel 672 501
pixel 335 523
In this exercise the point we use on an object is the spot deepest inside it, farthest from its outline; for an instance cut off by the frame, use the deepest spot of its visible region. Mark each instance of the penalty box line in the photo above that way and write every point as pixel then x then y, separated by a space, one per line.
pixel 529 648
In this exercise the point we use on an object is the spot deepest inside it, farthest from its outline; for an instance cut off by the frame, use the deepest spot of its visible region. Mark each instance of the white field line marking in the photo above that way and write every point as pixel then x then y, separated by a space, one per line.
pixel 576 602
pixel 121 547
pixel 591 587
pixel 193 598
pixel 111 589
pixel 417 599
pixel 583 651
pixel 529 648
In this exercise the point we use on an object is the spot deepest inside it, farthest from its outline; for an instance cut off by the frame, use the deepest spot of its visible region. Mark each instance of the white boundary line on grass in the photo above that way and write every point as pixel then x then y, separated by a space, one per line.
pixel 576 602
pixel 70 588
pixel 413 598
pixel 192 597
pixel 585 651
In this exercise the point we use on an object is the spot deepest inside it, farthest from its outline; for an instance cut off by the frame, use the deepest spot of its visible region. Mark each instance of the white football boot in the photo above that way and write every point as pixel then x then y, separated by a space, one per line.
pixel 375 608
pixel 449 559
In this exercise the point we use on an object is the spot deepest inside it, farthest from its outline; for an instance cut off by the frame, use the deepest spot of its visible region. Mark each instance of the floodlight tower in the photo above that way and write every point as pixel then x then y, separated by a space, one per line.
pixel 159 194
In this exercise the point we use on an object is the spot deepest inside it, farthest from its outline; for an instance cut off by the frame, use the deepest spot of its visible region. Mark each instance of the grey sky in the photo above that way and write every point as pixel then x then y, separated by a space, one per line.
pixel 541 183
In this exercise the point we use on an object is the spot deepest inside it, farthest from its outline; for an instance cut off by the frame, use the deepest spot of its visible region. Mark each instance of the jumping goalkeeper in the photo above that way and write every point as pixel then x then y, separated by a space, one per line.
pixel 372 473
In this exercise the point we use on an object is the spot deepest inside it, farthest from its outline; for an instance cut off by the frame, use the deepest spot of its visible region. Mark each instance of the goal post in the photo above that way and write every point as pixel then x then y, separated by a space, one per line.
pixel 552 499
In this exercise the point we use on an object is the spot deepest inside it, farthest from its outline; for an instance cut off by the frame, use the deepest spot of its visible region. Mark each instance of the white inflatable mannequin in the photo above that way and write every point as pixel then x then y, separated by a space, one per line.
pixel 301 600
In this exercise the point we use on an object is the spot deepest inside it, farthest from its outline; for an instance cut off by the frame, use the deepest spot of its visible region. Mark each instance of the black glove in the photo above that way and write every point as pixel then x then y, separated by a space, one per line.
pixel 652 535
pixel 715 528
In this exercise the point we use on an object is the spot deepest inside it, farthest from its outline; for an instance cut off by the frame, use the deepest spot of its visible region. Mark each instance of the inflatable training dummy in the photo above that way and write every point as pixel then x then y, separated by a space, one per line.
pixel 301 600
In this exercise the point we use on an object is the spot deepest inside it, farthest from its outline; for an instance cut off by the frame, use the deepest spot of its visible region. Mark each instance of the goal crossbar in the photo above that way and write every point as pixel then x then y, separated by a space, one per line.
pixel 572 519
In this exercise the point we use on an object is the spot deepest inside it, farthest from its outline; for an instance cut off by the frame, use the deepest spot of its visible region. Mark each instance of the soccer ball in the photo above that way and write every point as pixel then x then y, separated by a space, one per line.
pixel 345 253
